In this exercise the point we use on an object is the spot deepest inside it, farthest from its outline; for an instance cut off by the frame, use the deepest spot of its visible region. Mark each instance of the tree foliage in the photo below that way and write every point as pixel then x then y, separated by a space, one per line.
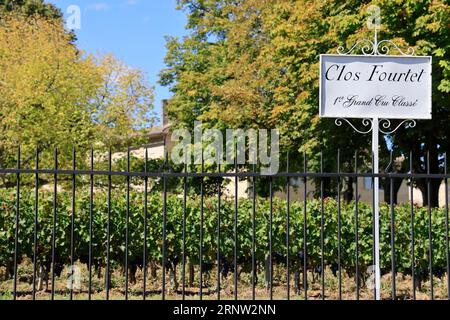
pixel 254 63
pixel 46 88
pixel 30 7
pixel 123 103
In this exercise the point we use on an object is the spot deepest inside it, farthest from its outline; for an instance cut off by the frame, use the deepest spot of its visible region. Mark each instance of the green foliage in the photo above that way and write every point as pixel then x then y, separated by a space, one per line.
pixel 255 63
pixel 53 95
pixel 174 223
pixel 175 185
pixel 30 7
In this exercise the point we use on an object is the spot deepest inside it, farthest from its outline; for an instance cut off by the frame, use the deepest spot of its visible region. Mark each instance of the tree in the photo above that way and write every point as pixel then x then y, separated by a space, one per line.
pixel 46 88
pixel 123 103
pixel 30 7
pixel 52 95
pixel 256 63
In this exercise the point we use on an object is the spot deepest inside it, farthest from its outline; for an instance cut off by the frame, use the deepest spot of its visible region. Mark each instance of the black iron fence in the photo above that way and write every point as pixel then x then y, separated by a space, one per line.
pixel 139 240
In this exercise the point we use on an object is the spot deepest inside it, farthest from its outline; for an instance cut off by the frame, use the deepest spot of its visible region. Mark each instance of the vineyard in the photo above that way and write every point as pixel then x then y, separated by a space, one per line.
pixel 131 239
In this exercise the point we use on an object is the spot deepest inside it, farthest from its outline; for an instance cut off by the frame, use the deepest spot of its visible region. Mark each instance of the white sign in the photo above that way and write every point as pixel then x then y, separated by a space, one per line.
pixel 391 87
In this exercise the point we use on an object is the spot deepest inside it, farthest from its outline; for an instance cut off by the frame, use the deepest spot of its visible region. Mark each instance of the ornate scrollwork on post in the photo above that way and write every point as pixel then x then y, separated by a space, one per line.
pixel 375 48
pixel 365 122
pixel 368 49
pixel 384 48
pixel 385 124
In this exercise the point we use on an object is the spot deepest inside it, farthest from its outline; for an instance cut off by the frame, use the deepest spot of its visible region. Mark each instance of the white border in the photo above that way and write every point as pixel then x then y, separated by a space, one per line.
pixel 377 57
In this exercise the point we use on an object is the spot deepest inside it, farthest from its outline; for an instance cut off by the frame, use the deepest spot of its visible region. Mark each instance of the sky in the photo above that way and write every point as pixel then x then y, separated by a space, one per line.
pixel 133 30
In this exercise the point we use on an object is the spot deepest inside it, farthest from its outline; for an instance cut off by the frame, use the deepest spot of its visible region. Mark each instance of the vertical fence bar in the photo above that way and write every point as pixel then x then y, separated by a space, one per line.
pixel 91 218
pixel 253 233
pixel 374 208
pixel 36 209
pixel 413 259
pixel 357 226
pixel 201 229
pixel 392 220
pixel 356 235
pixel 357 280
pixel 446 227
pixel 322 231
pixel 376 205
pixel 16 228
pixel 430 236
pixel 55 196
pixel 108 229
pixel 127 222
pixel 164 258
pixel 339 221
pixel 183 271
pixel 236 203
pixel 144 253
pixel 305 245
pixel 288 200
pixel 270 239
pixel 72 224
pixel 219 191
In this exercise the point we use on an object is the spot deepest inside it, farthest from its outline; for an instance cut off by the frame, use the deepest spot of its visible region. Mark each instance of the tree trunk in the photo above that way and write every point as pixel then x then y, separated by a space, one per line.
pixel 173 278
pixel 397 183
pixel 153 268
pixel 267 272
pixel 42 278
pixel 191 275
pixel 435 184
pixel 349 191
pixel 108 277
pixel 327 188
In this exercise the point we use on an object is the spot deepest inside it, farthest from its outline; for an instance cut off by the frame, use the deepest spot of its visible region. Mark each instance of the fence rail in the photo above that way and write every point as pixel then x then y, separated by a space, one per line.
pixel 295 262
